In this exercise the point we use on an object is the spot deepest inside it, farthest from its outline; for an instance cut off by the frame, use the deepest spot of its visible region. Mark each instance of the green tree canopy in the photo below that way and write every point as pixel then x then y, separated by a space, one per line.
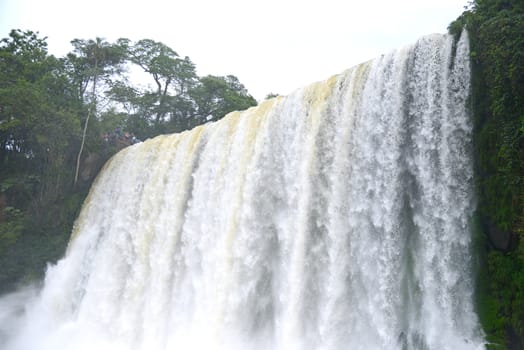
pixel 216 96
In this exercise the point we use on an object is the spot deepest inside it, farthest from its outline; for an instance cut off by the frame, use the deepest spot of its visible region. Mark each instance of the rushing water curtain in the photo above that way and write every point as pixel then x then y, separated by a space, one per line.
pixel 337 217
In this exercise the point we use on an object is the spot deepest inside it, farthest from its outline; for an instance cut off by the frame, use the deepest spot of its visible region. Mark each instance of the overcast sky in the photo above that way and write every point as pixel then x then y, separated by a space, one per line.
pixel 271 45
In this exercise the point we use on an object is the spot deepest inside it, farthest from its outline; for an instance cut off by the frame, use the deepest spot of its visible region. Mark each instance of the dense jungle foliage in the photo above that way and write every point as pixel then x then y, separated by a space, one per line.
pixel 62 118
pixel 496 29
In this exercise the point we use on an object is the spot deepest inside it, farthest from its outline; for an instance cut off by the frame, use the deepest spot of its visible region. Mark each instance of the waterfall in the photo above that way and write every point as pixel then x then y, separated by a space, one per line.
pixel 338 217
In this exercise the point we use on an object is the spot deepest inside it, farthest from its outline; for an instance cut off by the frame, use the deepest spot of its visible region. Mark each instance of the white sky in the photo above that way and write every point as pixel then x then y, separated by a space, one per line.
pixel 271 45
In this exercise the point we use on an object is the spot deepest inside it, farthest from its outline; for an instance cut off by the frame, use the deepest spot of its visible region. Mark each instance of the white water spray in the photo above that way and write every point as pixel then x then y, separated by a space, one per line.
pixel 335 218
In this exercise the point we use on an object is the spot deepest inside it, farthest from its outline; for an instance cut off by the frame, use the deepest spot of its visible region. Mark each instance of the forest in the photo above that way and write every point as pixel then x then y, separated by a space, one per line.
pixel 61 118
pixel 496 30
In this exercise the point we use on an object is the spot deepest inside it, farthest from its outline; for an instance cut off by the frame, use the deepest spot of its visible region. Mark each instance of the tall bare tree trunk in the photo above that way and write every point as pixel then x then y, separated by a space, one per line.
pixel 92 109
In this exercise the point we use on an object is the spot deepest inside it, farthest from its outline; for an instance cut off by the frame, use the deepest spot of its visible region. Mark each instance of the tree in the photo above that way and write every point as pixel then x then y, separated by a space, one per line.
pixel 90 62
pixel 271 95
pixel 38 125
pixel 216 96
pixel 34 95
pixel 178 99
pixel 173 77
pixel 496 30
pixel 20 67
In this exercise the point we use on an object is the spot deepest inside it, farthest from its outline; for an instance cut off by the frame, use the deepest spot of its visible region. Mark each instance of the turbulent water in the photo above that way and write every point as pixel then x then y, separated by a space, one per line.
pixel 337 217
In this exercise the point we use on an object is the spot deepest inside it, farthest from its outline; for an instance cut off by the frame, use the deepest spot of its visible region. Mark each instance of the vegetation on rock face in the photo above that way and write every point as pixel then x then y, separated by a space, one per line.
pixel 496 30
pixel 62 118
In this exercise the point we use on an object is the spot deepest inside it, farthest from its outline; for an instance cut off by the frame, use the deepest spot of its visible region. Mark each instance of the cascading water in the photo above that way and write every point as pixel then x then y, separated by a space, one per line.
pixel 335 218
